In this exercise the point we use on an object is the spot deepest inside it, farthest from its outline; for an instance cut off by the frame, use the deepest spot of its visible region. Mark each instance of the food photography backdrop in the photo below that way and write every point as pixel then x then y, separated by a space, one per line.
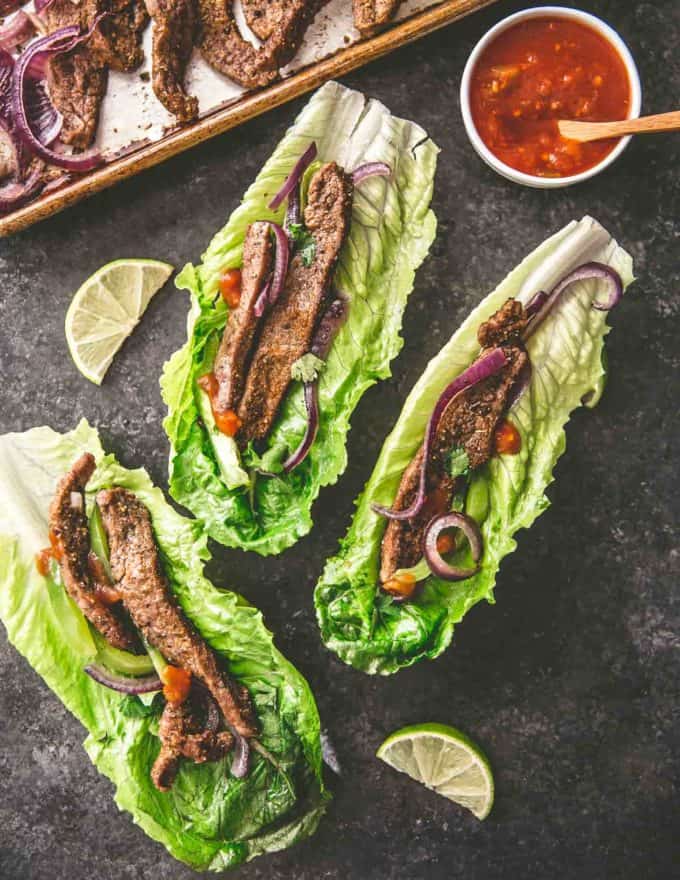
pixel 570 682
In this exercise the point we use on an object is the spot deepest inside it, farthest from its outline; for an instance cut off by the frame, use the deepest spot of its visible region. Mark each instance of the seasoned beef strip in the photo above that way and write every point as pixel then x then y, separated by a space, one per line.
pixel 183 735
pixel 371 15
pixel 239 333
pixel 221 44
pixel 117 41
pixel 154 610
pixel 284 20
pixel 469 421
pixel 174 30
pixel 69 526
pixel 77 80
pixel 287 328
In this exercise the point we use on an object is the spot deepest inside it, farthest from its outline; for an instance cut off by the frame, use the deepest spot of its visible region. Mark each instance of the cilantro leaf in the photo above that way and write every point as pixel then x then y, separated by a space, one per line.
pixel 457 462
pixel 307 368
pixel 305 245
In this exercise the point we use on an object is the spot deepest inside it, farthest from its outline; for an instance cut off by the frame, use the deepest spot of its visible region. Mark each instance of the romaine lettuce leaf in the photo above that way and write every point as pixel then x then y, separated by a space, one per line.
pixel 363 626
pixel 391 232
pixel 209 820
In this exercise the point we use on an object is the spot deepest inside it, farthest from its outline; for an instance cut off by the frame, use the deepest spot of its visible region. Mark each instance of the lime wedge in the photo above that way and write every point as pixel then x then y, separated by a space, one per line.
pixel 445 760
pixel 107 308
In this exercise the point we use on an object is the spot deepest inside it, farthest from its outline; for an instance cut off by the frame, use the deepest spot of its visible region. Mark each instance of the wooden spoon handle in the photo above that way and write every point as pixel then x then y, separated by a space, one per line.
pixel 593 131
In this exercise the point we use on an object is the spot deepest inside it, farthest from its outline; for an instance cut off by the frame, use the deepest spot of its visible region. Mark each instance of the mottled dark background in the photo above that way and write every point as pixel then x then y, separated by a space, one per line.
pixel 571 682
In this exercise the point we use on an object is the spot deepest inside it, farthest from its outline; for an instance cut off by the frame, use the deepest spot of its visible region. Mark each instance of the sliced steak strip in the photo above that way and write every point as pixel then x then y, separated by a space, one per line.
pixel 183 735
pixel 76 80
pixel 221 44
pixel 239 333
pixel 469 421
pixel 288 327
pixel 284 21
pixel 174 31
pixel 68 525
pixel 117 41
pixel 147 596
pixel 371 15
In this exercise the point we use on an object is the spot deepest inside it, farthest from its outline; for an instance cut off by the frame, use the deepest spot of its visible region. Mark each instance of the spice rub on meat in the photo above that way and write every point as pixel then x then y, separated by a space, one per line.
pixel 232 357
pixel 117 40
pixel 468 422
pixel 371 15
pixel 184 734
pixel 76 80
pixel 138 577
pixel 69 529
pixel 283 20
pixel 174 31
pixel 288 327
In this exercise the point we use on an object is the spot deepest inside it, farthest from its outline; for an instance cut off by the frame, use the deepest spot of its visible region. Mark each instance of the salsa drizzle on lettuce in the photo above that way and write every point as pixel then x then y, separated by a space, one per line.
pixel 391 231
pixel 504 495
pixel 209 819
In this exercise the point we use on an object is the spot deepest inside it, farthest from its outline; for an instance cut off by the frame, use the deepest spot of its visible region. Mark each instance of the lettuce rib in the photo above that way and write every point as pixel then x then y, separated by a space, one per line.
pixel 209 819
pixel 392 229
pixel 377 636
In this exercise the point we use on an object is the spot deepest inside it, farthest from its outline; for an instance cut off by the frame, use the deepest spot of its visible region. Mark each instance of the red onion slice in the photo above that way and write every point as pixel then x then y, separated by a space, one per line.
pixel 42 5
pixel 370 169
pixel 16 31
pixel 62 40
pixel 485 366
pixel 295 176
pixel 262 300
pixel 334 317
pixel 124 684
pixel 586 272
pixel 437 564
pixel 281 257
pixel 7 7
pixel 43 117
pixel 14 195
pixel 239 764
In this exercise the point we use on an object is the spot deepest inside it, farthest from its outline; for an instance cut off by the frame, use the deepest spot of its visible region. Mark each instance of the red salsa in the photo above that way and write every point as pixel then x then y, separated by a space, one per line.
pixel 536 72
pixel 227 422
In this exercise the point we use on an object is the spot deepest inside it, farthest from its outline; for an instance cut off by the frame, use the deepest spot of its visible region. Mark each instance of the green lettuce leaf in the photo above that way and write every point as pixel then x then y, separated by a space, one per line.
pixel 507 494
pixel 392 229
pixel 209 820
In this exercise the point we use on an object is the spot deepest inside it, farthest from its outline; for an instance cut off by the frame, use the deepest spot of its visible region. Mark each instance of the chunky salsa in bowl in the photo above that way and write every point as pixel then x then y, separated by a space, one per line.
pixel 535 68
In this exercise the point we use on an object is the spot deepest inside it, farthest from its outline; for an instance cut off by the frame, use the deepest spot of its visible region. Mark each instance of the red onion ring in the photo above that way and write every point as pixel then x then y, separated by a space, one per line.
pixel 124 684
pixel 585 272
pixel 438 565
pixel 42 5
pixel 537 301
pixel 239 764
pixel 481 369
pixel 333 318
pixel 14 195
pixel 273 287
pixel 295 176
pixel 62 40
pixel 16 31
pixel 370 169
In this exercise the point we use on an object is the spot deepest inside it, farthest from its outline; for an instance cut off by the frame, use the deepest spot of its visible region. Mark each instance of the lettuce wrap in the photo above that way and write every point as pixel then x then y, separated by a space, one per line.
pixel 209 819
pixel 360 622
pixel 391 231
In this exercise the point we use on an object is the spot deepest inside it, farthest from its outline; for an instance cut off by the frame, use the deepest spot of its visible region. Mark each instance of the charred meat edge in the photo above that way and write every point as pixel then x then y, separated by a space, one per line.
pixel 239 334
pixel 372 15
pixel 69 526
pixel 469 422
pixel 138 577
pixel 174 31
pixel 266 17
pixel 288 327
pixel 117 41
pixel 183 735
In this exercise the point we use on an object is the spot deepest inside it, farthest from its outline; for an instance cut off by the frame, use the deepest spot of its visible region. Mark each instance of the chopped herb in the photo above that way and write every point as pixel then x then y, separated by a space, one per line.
pixel 458 462
pixel 307 368
pixel 304 242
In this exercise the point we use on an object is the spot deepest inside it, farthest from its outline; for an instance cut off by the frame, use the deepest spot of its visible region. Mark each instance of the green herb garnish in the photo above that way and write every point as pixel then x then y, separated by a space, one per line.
pixel 305 245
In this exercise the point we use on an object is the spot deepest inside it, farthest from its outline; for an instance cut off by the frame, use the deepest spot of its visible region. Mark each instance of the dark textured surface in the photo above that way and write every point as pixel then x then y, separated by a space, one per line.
pixel 571 681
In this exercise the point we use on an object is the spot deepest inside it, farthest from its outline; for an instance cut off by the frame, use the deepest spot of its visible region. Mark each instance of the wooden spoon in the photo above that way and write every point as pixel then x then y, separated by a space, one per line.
pixel 595 131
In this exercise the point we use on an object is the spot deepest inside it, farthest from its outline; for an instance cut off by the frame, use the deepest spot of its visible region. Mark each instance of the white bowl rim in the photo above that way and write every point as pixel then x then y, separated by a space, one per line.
pixel 543 12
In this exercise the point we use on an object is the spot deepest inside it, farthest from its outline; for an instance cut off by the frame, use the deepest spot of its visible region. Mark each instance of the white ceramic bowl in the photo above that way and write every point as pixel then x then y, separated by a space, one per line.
pixel 553 12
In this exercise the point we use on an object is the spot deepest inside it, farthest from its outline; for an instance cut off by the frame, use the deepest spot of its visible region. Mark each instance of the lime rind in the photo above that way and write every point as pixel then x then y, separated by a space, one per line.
pixel 446 761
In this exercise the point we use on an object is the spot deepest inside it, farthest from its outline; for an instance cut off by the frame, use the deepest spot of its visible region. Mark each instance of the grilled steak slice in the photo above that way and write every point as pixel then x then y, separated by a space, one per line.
pixel 117 41
pixel 174 30
pixel 154 610
pixel 287 329
pixel 77 80
pixel 182 735
pixel 239 333
pixel 284 21
pixel 221 44
pixel 69 528
pixel 469 422
pixel 371 15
